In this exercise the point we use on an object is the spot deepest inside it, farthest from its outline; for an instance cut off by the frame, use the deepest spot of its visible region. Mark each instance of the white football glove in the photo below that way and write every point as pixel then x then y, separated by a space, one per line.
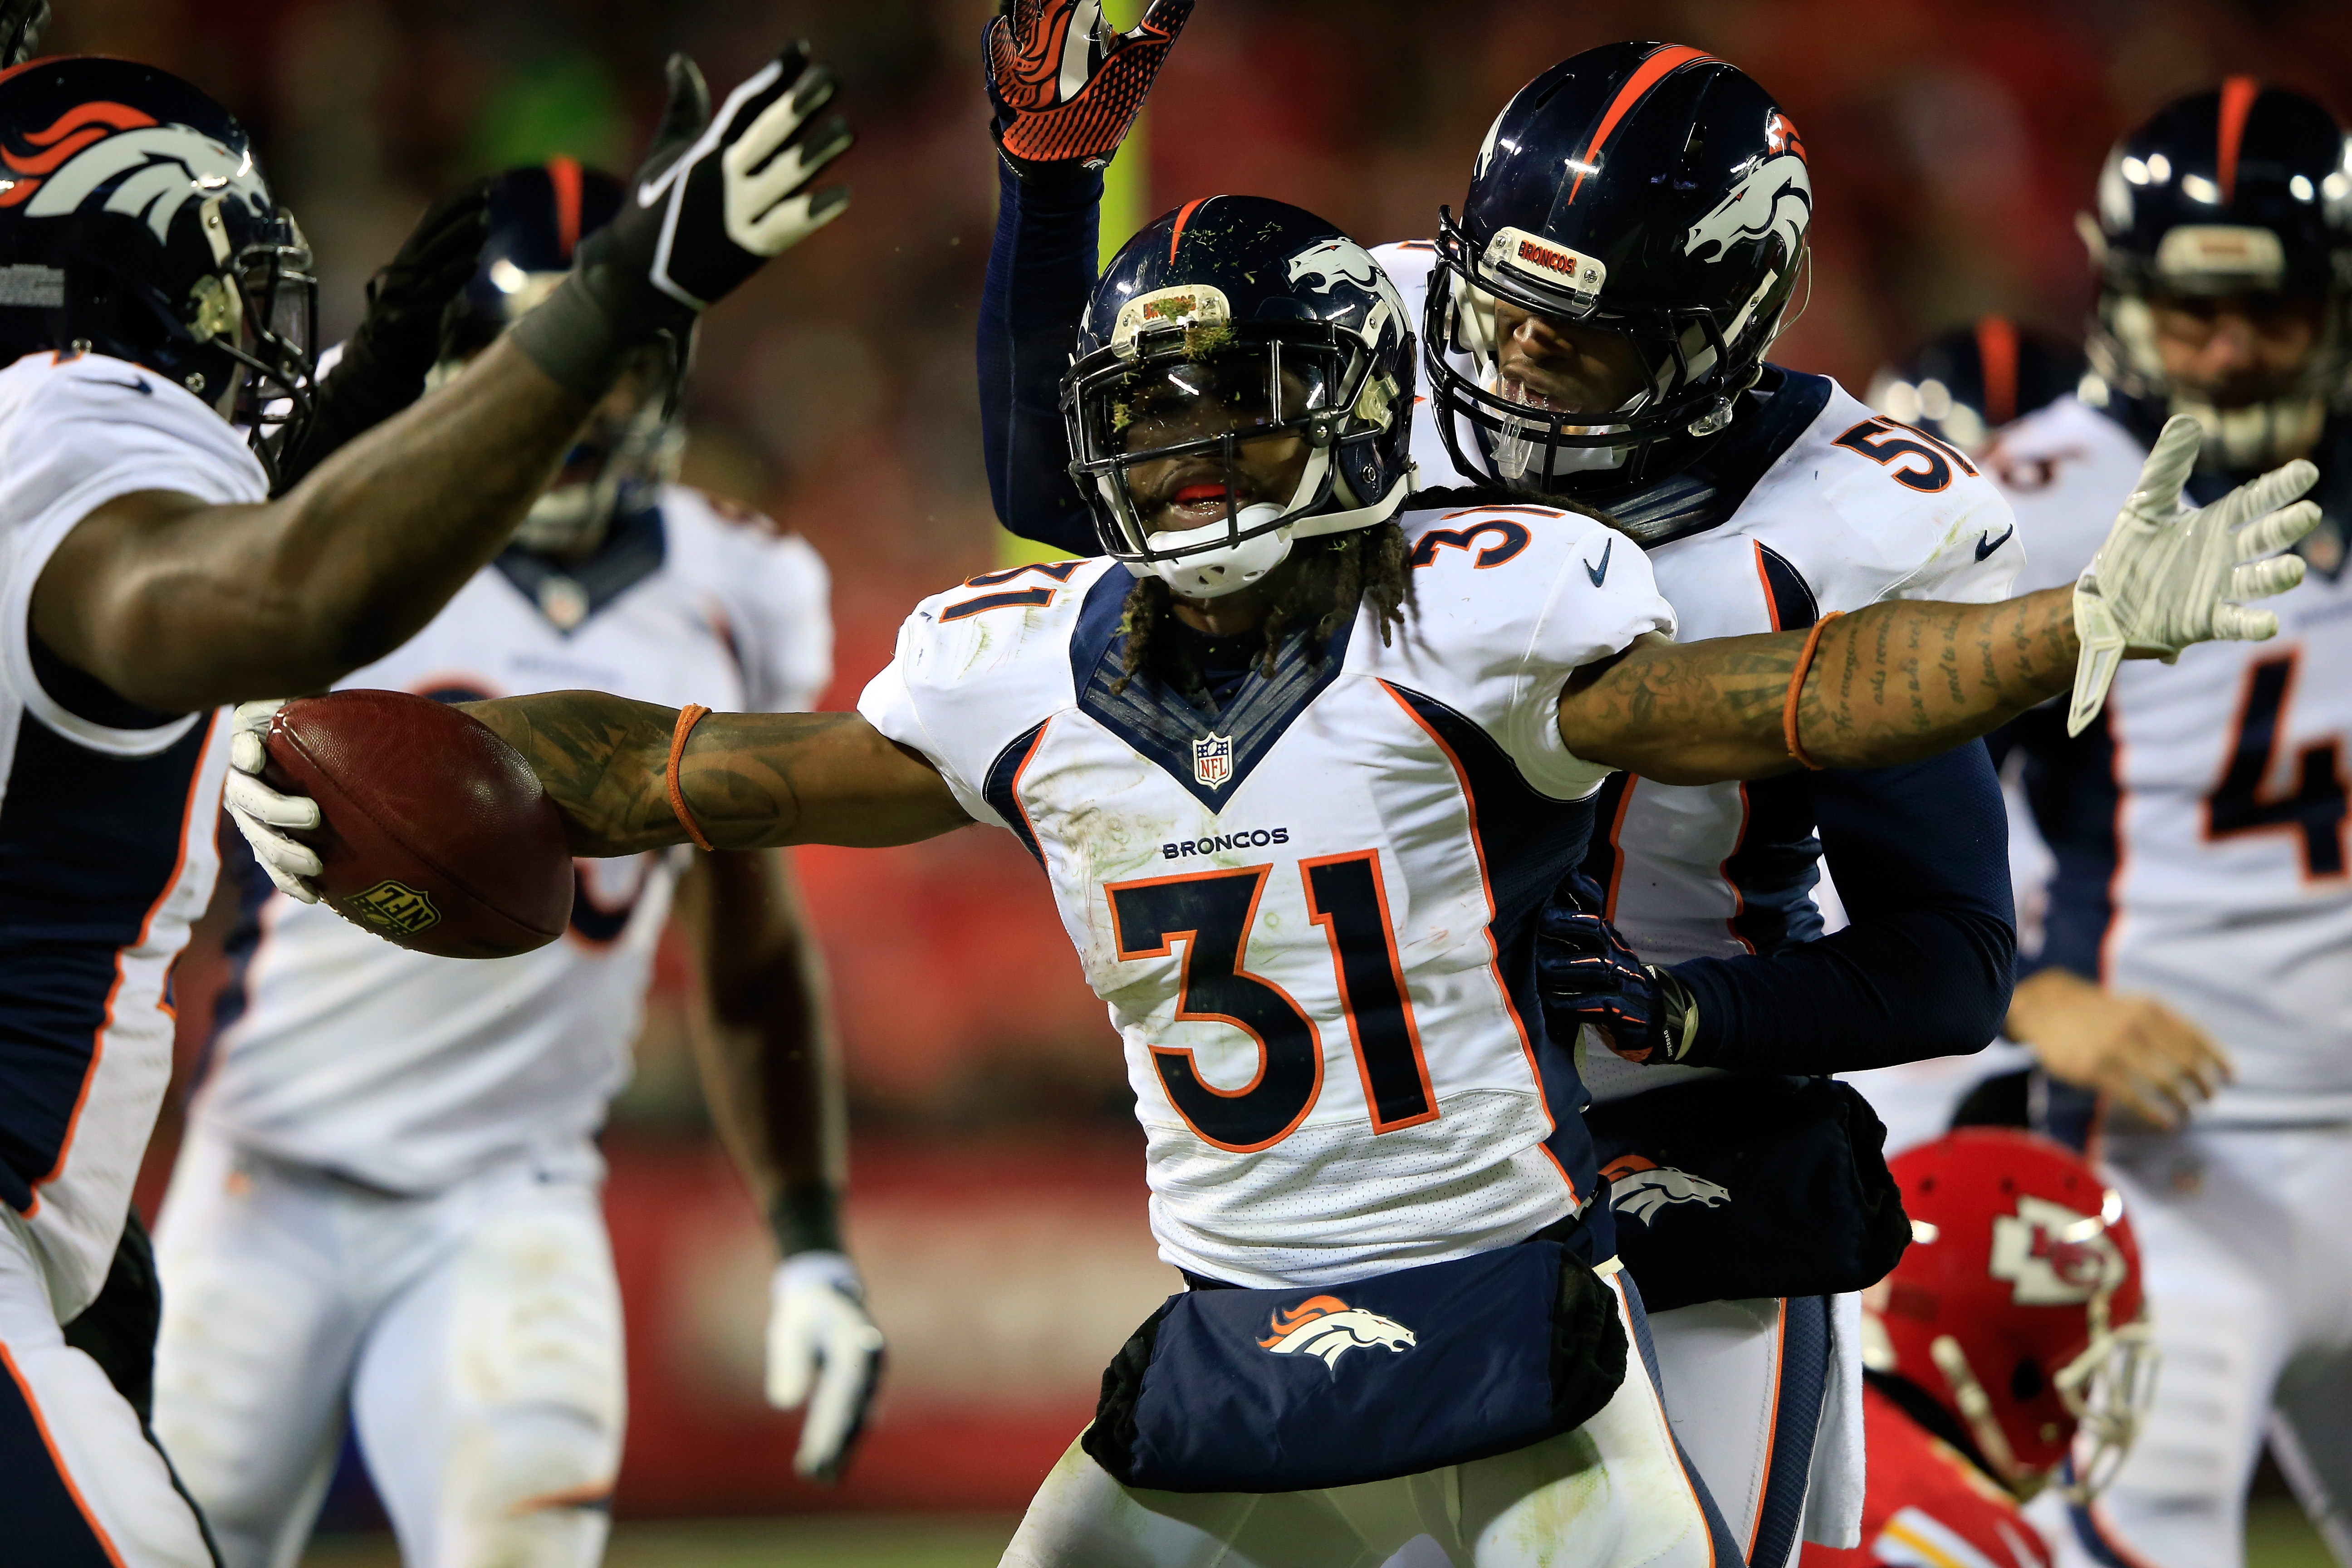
pixel 824 1350
pixel 259 811
pixel 2170 575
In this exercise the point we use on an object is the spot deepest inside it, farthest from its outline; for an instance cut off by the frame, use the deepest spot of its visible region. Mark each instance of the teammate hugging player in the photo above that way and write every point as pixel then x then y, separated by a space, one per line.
pixel 156 292
pixel 1595 326
pixel 2201 915
pixel 1363 1146
pixel 388 1200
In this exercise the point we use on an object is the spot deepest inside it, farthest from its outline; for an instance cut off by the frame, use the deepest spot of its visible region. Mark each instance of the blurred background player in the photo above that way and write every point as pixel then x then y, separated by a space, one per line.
pixel 2013 1322
pixel 159 292
pixel 2197 970
pixel 1964 386
pixel 387 1203
pixel 1584 338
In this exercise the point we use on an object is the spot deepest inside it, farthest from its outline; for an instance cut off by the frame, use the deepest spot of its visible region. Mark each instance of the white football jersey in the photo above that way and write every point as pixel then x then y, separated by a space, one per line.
pixel 107 814
pixel 407 1073
pixel 1311 908
pixel 2201 856
pixel 1811 504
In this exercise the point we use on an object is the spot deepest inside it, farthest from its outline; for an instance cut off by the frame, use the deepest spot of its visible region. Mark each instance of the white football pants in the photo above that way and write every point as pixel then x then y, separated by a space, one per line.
pixel 84 1489
pixel 1612 1494
pixel 2245 1236
pixel 1766 1438
pixel 473 1335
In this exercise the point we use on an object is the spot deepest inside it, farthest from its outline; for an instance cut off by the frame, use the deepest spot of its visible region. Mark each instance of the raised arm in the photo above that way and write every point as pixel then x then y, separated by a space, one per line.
pixel 179 605
pixel 748 779
pixel 1054 141
pixel 1897 682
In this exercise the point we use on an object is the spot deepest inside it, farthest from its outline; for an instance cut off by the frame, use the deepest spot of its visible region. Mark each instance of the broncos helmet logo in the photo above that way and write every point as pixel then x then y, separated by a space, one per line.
pixel 1775 198
pixel 1639 1188
pixel 1332 262
pixel 1327 1327
pixel 159 169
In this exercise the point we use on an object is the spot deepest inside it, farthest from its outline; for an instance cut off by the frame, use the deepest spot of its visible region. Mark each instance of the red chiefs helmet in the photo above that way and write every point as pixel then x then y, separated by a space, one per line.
pixel 2018 1307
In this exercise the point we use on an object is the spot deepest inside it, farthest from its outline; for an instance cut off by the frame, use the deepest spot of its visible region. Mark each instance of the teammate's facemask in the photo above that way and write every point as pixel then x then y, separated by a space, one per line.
pixel 273 334
pixel 1211 458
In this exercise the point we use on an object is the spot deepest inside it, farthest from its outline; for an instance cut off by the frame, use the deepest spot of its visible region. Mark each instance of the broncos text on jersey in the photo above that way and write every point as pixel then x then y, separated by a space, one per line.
pixel 1331 1032
pixel 471 1062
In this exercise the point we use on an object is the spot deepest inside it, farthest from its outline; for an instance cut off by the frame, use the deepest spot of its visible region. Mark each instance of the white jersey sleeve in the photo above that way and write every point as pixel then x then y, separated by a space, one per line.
pixel 975 669
pixel 772 592
pixel 75 432
pixel 1595 595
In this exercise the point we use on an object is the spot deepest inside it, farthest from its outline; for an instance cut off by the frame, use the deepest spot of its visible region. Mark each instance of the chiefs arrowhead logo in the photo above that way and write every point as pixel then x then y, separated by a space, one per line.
pixel 1327 1327
pixel 2054 1256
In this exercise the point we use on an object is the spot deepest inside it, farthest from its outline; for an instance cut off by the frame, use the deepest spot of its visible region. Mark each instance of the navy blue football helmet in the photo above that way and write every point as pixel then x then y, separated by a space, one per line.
pixel 1964 384
pixel 1233 321
pixel 631 445
pixel 2245 190
pixel 1649 191
pixel 135 221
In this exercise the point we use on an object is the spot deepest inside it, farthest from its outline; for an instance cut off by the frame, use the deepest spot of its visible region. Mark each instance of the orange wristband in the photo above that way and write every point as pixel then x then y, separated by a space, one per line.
pixel 687 717
pixel 1796 690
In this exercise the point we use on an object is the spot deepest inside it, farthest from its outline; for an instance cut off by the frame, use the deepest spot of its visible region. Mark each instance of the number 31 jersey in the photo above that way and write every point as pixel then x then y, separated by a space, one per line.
pixel 2199 828
pixel 407 1071
pixel 1308 903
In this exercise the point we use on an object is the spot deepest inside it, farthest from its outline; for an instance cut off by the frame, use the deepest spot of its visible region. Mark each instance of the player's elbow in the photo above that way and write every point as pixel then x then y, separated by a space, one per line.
pixel 1973 955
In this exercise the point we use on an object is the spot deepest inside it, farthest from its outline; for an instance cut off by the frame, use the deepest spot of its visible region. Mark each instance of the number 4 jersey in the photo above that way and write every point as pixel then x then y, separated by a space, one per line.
pixel 1308 895
pixel 2199 828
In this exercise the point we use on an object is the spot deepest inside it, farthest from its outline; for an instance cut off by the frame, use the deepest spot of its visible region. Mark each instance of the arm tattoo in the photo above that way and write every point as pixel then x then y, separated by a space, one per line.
pixel 751 780
pixel 1892 683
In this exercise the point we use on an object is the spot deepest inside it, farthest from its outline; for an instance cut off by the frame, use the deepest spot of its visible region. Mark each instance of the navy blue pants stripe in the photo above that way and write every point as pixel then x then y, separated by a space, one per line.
pixel 1724 1551
pixel 45 1523
pixel 1796 1419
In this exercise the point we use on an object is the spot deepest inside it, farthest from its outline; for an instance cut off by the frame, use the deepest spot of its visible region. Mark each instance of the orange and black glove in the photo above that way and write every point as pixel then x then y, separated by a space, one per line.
pixel 1066 87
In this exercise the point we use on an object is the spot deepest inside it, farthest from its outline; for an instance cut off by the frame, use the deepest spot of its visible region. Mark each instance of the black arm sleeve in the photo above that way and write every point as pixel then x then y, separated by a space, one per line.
pixel 1921 857
pixel 1041 269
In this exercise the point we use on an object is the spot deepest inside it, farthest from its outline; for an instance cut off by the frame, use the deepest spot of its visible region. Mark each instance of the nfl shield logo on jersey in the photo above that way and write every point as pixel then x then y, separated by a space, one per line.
pixel 1212 760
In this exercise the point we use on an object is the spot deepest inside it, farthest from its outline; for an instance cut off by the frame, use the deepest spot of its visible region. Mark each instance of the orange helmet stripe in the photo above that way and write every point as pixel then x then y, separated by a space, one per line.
pixel 2238 95
pixel 563 175
pixel 1996 351
pixel 1647 75
pixel 1183 216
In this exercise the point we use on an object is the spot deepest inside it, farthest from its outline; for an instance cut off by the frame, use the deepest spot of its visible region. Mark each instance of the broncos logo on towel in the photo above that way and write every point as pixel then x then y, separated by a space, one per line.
pixel 1639 1188
pixel 1327 1327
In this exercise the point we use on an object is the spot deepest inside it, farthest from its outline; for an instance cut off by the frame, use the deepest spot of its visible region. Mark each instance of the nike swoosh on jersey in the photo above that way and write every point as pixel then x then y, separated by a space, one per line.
pixel 1601 571
pixel 138 386
pixel 1987 545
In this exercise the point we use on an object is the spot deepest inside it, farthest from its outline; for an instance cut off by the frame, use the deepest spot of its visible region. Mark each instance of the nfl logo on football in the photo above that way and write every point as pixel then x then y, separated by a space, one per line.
pixel 1212 760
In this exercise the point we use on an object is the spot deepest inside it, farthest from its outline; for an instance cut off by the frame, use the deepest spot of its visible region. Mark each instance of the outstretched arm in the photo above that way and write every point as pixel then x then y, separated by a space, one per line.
pixel 1893 683
pixel 749 780
pixel 179 605
pixel 1897 682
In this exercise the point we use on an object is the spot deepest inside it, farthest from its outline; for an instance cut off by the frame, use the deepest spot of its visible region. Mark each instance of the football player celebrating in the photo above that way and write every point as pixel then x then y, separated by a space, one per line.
pixel 1301 766
pixel 2197 972
pixel 1584 334
pixel 388 1198
pixel 2013 1324
pixel 155 293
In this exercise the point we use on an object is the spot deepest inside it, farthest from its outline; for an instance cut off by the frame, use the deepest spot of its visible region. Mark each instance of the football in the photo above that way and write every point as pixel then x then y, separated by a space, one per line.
pixel 435 834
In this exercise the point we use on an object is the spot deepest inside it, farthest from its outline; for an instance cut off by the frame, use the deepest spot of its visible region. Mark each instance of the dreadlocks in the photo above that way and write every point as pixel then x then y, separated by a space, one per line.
pixel 1321 586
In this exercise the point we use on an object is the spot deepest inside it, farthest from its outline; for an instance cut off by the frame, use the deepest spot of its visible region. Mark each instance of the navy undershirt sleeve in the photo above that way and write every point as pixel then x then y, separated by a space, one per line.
pixel 1921 857
pixel 1041 271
